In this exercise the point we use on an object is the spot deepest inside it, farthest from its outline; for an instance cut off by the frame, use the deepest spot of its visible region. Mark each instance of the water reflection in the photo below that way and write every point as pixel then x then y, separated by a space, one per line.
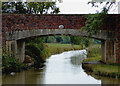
pixel 25 77
pixel 106 80
pixel 77 60
pixel 64 68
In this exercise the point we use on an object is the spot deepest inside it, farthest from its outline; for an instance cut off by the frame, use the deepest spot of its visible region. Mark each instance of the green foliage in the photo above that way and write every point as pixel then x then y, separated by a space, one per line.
pixel 55 48
pixel 94 23
pixel 12 7
pixel 101 69
pixel 83 41
pixel 42 7
pixel 29 7
pixel 37 50
pixel 58 39
pixel 94 51
pixel 66 40
pixel 10 64
pixel 50 39
pixel 75 39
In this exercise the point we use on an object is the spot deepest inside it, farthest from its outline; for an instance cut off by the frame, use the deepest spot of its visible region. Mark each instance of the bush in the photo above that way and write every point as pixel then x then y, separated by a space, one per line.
pixel 94 51
pixel 10 64
pixel 37 50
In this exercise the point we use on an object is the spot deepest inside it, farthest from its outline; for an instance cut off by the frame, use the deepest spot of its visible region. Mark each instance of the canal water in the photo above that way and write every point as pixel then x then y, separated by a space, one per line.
pixel 64 68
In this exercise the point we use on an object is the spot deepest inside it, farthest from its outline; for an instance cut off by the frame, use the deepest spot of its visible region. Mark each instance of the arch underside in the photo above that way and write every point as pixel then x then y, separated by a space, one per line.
pixel 107 39
pixel 24 34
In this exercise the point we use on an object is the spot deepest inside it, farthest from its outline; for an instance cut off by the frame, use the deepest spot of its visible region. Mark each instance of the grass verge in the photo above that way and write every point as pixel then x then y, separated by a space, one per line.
pixel 93 64
pixel 55 48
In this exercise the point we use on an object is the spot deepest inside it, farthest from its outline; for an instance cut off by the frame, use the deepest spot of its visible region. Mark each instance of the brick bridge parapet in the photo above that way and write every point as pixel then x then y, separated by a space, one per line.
pixel 28 25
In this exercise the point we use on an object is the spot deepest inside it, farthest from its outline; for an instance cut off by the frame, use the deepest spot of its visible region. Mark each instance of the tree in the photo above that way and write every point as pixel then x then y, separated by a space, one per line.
pixel 58 39
pixel 12 7
pixel 34 48
pixel 94 22
pixel 30 7
pixel 42 7
pixel 66 40
pixel 83 41
pixel 50 39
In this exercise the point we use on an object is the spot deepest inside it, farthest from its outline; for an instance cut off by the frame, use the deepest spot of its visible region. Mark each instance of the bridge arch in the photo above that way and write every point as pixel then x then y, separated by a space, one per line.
pixel 16 28
pixel 18 41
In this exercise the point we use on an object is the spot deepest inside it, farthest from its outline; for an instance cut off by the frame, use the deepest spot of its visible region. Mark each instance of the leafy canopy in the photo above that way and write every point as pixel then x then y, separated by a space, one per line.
pixel 30 7
pixel 95 21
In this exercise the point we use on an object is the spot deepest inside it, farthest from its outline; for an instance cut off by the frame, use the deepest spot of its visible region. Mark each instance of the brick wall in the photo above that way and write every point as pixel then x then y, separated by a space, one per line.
pixel 118 38
pixel 111 22
pixel 27 21
pixel 23 22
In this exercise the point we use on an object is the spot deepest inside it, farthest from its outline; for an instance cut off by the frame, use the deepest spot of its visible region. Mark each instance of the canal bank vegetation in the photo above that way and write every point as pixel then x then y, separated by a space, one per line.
pixel 94 64
pixel 37 51
pixel 10 63
pixel 35 55
pixel 94 51
pixel 55 48
pixel 58 44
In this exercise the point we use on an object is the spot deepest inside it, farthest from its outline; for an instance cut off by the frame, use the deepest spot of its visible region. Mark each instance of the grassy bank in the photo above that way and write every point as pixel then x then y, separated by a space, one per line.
pixel 93 64
pixel 55 48
pixel 39 51
pixel 36 53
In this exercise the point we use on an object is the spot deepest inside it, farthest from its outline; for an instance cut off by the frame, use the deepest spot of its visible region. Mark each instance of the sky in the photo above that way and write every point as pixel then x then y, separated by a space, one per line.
pixel 81 7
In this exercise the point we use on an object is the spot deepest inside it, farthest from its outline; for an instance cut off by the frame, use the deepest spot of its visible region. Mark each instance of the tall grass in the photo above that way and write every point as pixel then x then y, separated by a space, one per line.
pixel 94 51
pixel 55 48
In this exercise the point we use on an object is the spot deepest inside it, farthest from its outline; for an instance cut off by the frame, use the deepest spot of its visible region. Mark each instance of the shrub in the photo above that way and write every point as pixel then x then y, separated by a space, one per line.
pixel 94 51
pixel 10 64
pixel 37 50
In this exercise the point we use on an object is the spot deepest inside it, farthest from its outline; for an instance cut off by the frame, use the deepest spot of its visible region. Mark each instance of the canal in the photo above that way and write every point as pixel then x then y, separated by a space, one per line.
pixel 64 68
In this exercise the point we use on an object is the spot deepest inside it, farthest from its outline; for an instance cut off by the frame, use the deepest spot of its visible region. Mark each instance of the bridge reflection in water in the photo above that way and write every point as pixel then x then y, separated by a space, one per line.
pixel 64 68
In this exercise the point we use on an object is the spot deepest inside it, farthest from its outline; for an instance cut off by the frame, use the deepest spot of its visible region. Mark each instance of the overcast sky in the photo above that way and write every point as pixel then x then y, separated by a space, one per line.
pixel 81 7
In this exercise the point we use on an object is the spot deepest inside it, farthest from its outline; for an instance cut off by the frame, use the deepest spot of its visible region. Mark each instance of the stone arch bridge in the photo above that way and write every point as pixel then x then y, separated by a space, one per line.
pixel 18 27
